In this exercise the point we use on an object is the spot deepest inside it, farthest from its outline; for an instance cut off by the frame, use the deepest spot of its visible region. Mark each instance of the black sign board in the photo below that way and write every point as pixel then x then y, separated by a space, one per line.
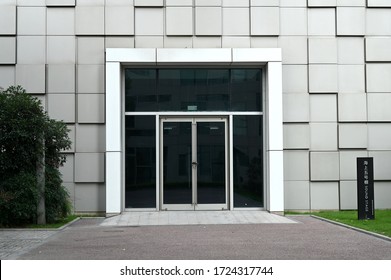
pixel 365 193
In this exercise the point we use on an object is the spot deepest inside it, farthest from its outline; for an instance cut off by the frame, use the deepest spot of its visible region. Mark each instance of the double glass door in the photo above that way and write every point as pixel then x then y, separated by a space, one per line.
pixel 193 164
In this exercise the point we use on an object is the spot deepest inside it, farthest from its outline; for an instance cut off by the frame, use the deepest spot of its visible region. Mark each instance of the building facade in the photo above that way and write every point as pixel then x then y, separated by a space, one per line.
pixel 209 104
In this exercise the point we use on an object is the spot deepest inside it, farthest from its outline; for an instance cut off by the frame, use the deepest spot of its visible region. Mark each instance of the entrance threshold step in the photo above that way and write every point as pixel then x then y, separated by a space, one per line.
pixel 195 218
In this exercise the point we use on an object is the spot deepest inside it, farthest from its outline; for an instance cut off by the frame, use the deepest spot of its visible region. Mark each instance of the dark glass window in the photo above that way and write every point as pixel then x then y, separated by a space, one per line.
pixel 193 90
pixel 246 90
pixel 248 161
pixel 140 90
pixel 140 166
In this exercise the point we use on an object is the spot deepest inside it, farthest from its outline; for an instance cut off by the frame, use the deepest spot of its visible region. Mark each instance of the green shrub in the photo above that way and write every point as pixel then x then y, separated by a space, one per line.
pixel 23 126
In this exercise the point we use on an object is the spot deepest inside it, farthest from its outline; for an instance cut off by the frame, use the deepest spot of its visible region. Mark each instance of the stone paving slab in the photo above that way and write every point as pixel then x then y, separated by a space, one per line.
pixel 17 242
pixel 195 218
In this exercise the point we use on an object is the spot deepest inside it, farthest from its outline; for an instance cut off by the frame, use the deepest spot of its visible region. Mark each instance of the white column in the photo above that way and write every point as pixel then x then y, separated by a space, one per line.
pixel 275 182
pixel 113 138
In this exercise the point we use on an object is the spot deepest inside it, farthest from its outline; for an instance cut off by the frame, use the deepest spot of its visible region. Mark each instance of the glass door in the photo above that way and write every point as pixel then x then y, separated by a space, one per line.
pixel 193 164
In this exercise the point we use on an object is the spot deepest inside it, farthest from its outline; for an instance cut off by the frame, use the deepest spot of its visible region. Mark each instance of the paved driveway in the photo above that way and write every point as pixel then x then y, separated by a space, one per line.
pixel 309 238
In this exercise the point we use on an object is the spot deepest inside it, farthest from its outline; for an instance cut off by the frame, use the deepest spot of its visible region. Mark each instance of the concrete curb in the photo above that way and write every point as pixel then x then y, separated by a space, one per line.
pixel 41 229
pixel 353 228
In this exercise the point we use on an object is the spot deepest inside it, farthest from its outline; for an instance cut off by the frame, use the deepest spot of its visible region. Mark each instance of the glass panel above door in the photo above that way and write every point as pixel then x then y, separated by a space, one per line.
pixel 193 89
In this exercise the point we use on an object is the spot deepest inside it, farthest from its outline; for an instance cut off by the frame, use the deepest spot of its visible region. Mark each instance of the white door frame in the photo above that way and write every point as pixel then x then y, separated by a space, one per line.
pixel 269 58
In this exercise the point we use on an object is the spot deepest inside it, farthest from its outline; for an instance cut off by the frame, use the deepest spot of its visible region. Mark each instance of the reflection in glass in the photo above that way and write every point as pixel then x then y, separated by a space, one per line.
pixel 140 90
pixel 177 176
pixel 186 89
pixel 246 90
pixel 211 162
pixel 248 161
pixel 140 165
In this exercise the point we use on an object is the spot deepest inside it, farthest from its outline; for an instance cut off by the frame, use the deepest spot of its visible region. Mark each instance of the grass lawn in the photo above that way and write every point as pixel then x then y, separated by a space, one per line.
pixel 381 224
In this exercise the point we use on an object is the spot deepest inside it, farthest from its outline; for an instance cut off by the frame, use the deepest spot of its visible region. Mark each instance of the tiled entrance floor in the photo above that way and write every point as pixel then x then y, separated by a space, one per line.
pixel 195 218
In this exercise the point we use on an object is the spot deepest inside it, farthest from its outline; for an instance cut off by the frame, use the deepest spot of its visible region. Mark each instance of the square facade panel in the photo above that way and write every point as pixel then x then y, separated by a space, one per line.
pixel 148 3
pixel 89 167
pixel 7 76
pixel 351 3
pixel 236 21
pixel 8 20
pixel 376 74
pixel 378 22
pixel 379 107
pixel 293 21
pixel 348 163
pixel 322 50
pixel 90 138
pixel 297 195
pixel 322 3
pixel 350 50
pixel 381 165
pixel 179 21
pixel 352 107
pixel 62 107
pixel 90 108
pixel 296 136
pixel 8 50
pixel 119 42
pixel 236 42
pixel 293 3
pixel 264 3
pixel 149 21
pixel 295 78
pixel 378 3
pixel 61 50
pixel 321 22
pixel 352 136
pixel 324 166
pixel 294 49
pixel 265 21
pixel 68 169
pixel 323 108
pixel 149 42
pixel 382 195
pixel 31 3
pixel 61 78
pixel 90 50
pixel 296 107
pixel 90 20
pixel 60 21
pixel 214 3
pixel 119 20
pixel 90 79
pixel 378 49
pixel 351 78
pixel 178 42
pixel 61 3
pixel 31 49
pixel 90 198
pixel 379 136
pixel 182 3
pixel 31 21
pixel 91 2
pixel 324 136
pixel 236 3
pixel 350 21
pixel 296 166
pixel 31 77
pixel 324 196
pixel 208 21
pixel 323 78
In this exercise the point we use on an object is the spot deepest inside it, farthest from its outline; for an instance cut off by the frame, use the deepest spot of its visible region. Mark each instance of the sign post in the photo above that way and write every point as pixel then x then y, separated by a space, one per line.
pixel 365 189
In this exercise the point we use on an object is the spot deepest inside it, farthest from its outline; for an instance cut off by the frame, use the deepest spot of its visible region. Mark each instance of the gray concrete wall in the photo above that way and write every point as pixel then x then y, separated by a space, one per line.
pixel 336 78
